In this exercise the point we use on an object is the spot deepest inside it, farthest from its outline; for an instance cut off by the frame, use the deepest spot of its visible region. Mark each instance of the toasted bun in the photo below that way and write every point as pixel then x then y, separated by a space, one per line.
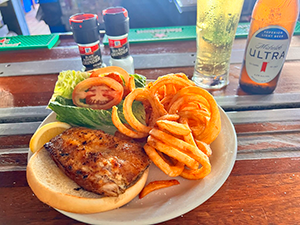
pixel 54 188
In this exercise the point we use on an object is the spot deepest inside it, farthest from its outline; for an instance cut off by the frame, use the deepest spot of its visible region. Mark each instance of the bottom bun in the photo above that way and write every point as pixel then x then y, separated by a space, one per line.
pixel 57 190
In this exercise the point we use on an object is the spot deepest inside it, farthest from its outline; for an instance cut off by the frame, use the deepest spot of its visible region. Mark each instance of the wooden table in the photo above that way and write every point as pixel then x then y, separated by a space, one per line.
pixel 263 187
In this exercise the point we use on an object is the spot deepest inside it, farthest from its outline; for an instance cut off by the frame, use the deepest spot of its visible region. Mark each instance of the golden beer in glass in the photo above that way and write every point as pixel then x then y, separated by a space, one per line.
pixel 217 21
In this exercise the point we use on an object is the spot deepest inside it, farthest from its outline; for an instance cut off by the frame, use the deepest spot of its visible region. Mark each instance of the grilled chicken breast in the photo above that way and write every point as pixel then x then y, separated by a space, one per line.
pixel 98 162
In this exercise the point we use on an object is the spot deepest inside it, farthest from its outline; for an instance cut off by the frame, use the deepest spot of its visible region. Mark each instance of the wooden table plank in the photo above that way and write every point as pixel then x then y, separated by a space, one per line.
pixel 37 90
pixel 271 183
pixel 261 134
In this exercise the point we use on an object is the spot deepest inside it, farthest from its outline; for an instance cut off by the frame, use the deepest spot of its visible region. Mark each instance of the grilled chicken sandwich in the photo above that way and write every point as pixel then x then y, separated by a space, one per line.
pixel 86 171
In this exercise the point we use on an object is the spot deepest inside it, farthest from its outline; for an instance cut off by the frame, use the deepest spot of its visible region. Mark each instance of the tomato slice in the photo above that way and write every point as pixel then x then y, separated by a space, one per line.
pixel 116 73
pixel 97 93
pixel 113 72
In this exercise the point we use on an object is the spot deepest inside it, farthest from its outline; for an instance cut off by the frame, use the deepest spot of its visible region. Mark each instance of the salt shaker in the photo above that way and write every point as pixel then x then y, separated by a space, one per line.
pixel 116 28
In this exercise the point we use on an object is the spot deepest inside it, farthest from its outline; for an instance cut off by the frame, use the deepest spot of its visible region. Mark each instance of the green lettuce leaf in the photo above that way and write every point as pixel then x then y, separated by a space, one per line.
pixel 66 82
pixel 92 118
pixel 139 80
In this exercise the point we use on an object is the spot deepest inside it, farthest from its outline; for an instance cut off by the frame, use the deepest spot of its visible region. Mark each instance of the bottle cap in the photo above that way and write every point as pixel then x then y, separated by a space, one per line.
pixel 116 21
pixel 85 28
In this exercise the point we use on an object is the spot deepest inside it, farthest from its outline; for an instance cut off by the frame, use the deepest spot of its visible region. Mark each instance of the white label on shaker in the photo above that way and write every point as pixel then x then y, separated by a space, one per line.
pixel 266 53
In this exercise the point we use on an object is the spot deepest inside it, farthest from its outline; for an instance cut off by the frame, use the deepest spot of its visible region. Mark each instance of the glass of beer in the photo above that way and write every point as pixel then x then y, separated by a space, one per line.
pixel 217 21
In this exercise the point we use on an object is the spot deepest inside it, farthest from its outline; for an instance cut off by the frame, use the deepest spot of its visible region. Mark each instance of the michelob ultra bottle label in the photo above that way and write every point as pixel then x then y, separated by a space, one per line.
pixel 266 53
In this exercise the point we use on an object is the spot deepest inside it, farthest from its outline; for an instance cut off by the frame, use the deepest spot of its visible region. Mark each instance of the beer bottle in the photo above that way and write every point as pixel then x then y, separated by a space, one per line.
pixel 271 29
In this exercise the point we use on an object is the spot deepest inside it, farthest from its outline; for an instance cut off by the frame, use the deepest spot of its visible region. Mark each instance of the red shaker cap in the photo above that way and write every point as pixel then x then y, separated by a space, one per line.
pixel 79 18
pixel 115 10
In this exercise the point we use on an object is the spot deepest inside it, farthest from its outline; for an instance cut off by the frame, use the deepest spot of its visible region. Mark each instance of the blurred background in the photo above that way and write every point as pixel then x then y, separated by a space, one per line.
pixel 31 17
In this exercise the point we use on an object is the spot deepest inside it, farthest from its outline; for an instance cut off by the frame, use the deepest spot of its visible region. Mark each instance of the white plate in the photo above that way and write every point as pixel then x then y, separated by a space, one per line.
pixel 166 204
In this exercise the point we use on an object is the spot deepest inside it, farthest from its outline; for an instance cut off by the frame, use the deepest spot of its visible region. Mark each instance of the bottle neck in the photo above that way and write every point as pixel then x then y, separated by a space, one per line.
pixel 278 3
pixel 276 11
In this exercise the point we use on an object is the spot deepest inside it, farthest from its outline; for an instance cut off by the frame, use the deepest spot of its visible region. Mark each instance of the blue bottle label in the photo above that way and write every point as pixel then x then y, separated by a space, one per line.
pixel 266 53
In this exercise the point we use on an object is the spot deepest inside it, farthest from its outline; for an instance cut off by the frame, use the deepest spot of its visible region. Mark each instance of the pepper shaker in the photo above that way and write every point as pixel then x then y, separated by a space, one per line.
pixel 85 29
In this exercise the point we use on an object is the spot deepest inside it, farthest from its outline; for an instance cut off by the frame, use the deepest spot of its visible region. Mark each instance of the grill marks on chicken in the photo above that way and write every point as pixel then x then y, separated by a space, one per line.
pixel 98 162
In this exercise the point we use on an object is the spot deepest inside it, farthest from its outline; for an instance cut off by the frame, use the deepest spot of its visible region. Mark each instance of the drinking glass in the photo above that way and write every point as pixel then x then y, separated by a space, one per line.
pixel 217 21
